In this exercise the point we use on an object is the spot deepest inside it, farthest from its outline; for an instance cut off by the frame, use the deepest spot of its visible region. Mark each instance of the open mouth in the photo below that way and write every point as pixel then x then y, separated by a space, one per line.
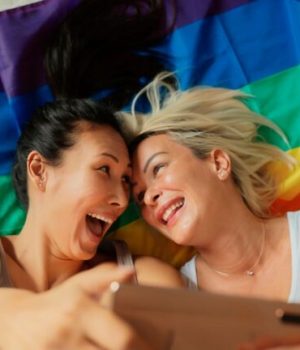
pixel 97 224
pixel 170 211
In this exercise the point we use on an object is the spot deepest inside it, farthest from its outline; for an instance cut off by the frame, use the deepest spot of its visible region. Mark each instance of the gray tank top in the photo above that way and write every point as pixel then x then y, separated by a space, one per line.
pixel 124 257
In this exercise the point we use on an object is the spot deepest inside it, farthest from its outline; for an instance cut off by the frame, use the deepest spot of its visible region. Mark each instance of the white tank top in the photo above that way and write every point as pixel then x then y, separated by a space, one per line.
pixel 189 271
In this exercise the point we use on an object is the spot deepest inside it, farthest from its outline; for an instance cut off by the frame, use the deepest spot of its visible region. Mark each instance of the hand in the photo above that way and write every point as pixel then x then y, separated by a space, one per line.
pixel 67 317
pixel 273 343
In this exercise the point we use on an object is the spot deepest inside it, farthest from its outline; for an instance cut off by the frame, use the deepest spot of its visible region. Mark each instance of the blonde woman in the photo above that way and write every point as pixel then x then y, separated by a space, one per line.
pixel 201 177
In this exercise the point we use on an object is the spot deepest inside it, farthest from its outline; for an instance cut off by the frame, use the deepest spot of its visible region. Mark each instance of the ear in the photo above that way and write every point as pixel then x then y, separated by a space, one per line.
pixel 36 169
pixel 221 163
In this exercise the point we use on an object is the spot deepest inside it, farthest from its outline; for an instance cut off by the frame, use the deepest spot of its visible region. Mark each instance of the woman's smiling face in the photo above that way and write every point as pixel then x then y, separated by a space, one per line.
pixel 87 192
pixel 177 192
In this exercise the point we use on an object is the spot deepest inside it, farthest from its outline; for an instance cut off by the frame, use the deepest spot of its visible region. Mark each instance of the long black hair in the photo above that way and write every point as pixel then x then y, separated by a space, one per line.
pixel 51 130
pixel 102 46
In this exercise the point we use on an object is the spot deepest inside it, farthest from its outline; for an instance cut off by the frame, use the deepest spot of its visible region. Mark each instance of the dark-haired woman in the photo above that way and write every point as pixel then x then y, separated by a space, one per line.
pixel 72 175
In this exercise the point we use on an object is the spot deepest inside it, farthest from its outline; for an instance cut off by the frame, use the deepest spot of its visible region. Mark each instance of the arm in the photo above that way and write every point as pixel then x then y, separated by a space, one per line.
pixel 66 317
pixel 152 271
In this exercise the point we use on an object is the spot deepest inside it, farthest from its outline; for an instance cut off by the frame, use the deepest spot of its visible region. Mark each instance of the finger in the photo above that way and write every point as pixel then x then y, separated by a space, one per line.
pixel 106 329
pixel 87 345
pixel 100 277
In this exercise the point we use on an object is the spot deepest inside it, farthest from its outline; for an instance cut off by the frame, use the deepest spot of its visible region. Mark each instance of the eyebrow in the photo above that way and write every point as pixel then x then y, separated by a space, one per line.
pixel 110 156
pixel 150 159
pixel 129 165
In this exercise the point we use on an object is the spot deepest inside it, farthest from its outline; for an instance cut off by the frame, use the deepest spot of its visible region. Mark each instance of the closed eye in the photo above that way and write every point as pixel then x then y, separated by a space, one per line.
pixel 157 168
pixel 140 197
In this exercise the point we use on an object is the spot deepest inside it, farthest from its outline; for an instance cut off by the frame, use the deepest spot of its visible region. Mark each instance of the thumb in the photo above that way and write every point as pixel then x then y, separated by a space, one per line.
pixel 99 278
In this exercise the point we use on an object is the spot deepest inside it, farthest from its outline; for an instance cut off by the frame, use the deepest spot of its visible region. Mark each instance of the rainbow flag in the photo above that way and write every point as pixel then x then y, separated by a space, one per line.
pixel 245 44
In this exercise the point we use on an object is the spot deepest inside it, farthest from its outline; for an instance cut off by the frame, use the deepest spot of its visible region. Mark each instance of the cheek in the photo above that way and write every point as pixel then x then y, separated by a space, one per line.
pixel 92 183
pixel 171 179
pixel 147 214
pixel 178 177
pixel 76 191
pixel 65 184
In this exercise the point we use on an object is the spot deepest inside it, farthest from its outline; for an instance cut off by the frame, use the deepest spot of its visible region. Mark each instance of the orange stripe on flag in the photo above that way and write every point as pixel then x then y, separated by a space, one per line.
pixel 288 198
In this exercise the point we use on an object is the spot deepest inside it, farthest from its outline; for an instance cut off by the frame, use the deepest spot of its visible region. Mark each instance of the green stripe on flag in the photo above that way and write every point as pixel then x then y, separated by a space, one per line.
pixel 12 217
pixel 131 214
pixel 277 98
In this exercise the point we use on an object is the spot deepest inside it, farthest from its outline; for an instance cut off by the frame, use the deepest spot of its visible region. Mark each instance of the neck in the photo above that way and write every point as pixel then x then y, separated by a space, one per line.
pixel 33 264
pixel 237 250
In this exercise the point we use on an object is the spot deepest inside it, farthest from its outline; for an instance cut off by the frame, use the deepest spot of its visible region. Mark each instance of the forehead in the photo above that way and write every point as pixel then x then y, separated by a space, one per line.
pixel 96 138
pixel 156 146
pixel 157 143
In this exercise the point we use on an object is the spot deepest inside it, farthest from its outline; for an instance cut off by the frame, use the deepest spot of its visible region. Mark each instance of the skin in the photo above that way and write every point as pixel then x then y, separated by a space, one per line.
pixel 56 228
pixel 186 198
pixel 67 317
pixel 49 254
pixel 160 182
pixel 92 178
pixel 224 232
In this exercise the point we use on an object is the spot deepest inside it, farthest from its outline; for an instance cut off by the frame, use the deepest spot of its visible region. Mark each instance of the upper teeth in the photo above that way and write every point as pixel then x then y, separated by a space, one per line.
pixel 99 217
pixel 171 209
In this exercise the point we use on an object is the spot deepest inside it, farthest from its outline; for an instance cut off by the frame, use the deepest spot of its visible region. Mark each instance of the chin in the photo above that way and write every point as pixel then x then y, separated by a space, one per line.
pixel 181 237
pixel 180 241
pixel 85 254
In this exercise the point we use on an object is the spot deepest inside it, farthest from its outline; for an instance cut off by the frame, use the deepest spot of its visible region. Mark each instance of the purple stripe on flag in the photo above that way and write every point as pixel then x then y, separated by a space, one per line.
pixel 24 32
pixel 23 35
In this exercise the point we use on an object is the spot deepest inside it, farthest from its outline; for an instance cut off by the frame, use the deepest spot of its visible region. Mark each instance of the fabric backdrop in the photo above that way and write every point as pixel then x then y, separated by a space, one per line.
pixel 253 45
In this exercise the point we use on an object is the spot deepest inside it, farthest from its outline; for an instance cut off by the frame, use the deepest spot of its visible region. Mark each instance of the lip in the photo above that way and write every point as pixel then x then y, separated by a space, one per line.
pixel 164 207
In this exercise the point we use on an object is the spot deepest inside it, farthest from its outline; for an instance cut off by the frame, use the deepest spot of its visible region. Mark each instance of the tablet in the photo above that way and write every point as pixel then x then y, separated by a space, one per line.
pixel 182 319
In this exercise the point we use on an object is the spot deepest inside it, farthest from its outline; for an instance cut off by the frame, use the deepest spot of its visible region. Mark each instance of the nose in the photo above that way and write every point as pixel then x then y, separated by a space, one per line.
pixel 151 196
pixel 119 197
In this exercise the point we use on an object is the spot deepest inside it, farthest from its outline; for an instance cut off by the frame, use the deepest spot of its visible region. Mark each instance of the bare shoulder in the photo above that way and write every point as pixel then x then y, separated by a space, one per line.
pixel 155 272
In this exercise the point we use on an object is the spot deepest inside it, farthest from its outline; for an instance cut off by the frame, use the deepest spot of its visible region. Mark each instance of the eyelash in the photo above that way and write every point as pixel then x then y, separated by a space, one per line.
pixel 157 168
pixel 140 197
pixel 126 178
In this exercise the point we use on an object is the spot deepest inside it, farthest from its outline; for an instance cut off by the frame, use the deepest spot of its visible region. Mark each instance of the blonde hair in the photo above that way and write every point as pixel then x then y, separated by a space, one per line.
pixel 204 119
